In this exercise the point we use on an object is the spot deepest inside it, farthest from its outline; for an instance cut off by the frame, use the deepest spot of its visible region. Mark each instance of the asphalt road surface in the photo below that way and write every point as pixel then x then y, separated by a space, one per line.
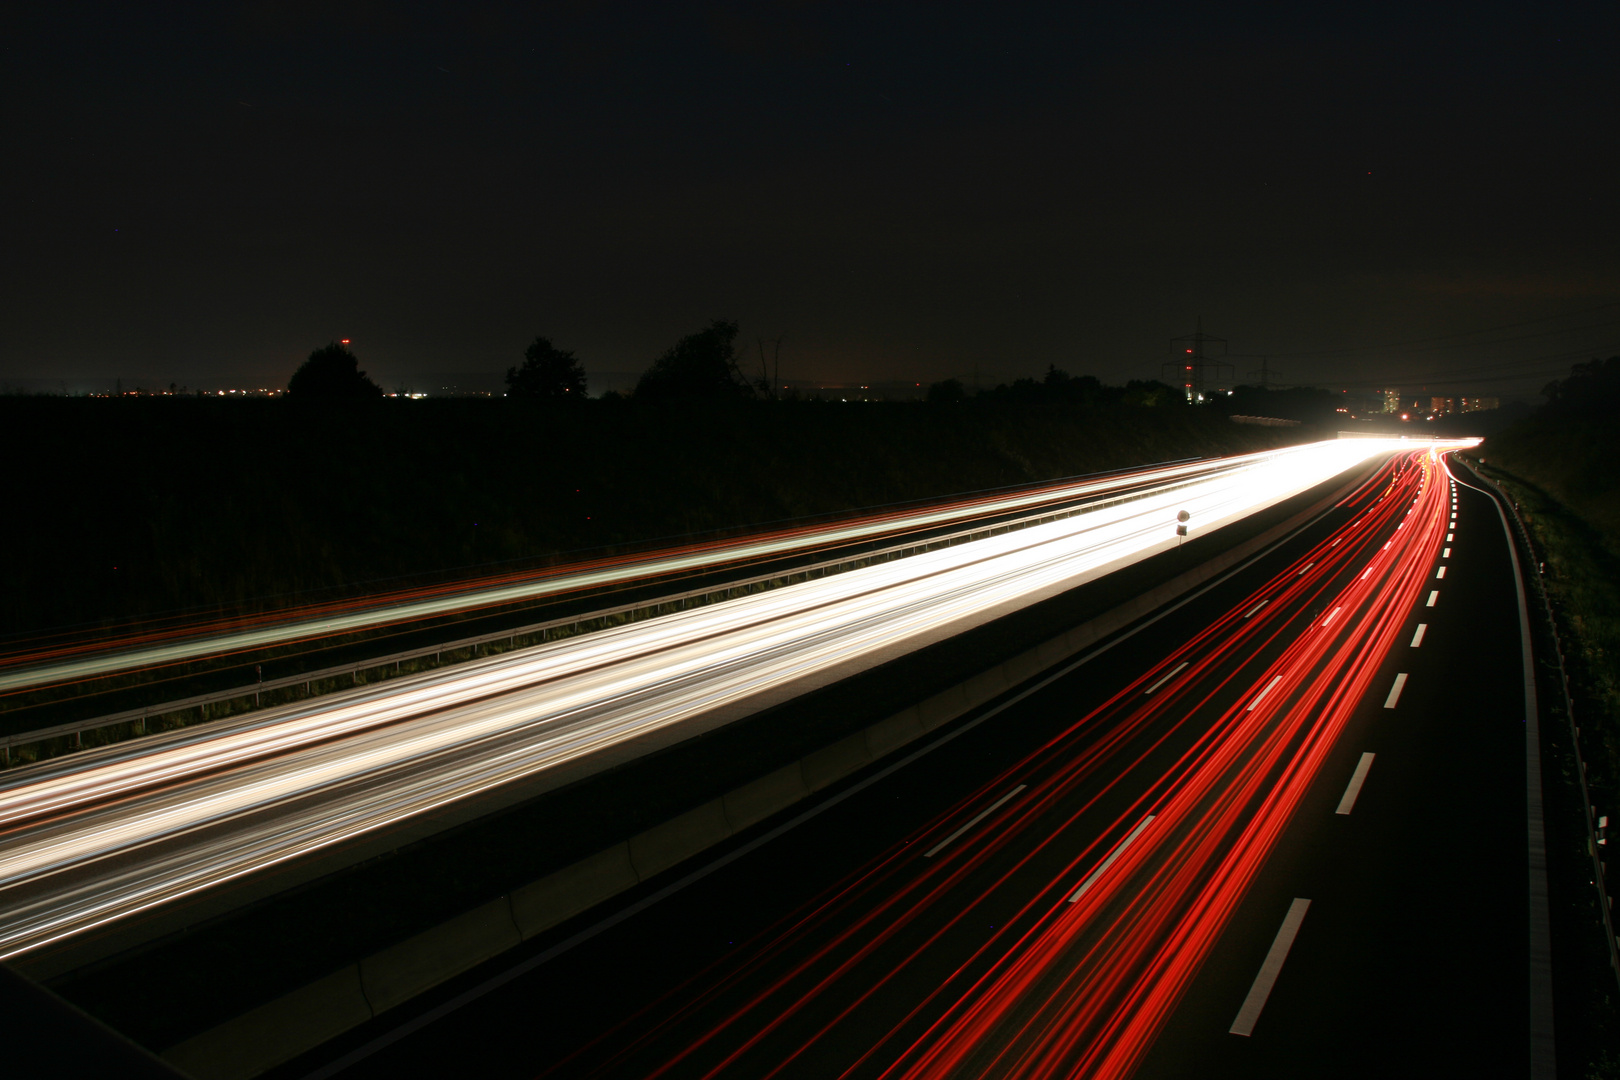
pixel 1115 870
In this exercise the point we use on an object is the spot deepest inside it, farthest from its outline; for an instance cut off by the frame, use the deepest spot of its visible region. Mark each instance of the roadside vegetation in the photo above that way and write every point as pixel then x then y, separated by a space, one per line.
pixel 1558 466
pixel 155 507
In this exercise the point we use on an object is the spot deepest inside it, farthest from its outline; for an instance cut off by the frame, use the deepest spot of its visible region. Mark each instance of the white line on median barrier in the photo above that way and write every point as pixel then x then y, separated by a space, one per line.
pixel 1263 982
pixel 1357 778
pixel 980 816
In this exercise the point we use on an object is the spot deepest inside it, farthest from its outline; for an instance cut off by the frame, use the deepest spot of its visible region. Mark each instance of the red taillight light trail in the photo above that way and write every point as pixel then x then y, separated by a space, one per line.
pixel 1083 988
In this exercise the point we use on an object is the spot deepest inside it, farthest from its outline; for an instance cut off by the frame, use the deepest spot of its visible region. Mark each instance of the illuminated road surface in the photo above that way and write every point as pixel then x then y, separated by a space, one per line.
pixel 1087 938
pixel 108 833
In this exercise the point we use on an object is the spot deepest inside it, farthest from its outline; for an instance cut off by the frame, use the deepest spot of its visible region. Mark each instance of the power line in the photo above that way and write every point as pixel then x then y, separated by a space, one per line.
pixel 1489 373
pixel 1265 373
pixel 1468 333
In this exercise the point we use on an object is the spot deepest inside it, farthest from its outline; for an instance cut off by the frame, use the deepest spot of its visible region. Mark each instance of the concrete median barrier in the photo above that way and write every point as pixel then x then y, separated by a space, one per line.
pixel 555 898
pixel 889 735
pixel 678 839
pixel 942 708
pixel 275 1032
pixel 985 685
pixel 756 801
pixel 401 972
pixel 832 763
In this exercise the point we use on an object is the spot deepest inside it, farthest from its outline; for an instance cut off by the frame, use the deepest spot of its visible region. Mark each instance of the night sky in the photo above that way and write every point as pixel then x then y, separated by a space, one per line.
pixel 904 191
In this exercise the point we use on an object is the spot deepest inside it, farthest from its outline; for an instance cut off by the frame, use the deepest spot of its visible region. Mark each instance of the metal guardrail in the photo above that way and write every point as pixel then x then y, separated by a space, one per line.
pixel 1595 841
pixel 75 730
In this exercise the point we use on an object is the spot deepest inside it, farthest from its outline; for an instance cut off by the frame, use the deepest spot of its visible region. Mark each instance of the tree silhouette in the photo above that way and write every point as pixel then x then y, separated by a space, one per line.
pixel 1592 387
pixel 548 373
pixel 700 365
pixel 332 374
pixel 947 391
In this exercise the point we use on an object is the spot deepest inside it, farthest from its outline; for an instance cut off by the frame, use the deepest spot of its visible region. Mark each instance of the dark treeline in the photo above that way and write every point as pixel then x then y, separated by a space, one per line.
pixel 136 507
pixel 1568 445
pixel 1310 405
pixel 1559 466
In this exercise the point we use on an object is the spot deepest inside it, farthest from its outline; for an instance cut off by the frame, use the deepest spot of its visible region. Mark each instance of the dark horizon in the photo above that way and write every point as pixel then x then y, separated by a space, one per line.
pixel 1366 198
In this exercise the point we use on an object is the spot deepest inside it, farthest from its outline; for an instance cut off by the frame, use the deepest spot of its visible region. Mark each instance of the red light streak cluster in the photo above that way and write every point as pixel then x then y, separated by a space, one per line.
pixel 1081 975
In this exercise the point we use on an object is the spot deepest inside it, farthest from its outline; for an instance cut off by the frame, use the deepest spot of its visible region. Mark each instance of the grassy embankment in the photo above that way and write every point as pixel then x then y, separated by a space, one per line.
pixel 1560 471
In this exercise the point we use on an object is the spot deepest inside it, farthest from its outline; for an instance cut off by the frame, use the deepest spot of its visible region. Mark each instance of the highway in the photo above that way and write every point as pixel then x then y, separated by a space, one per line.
pixel 100 836
pixel 1281 832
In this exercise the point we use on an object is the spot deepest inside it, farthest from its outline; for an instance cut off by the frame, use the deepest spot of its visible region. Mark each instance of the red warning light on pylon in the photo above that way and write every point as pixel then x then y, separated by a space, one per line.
pixel 345 341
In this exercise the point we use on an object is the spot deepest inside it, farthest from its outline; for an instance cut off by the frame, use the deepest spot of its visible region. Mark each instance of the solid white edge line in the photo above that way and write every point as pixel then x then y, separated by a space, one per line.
pixel 1168 676
pixel 1357 778
pixel 980 816
pixel 1275 679
pixel 1267 978
pixel 1395 691
pixel 1543 1042
pixel 1119 849
pixel 1417 638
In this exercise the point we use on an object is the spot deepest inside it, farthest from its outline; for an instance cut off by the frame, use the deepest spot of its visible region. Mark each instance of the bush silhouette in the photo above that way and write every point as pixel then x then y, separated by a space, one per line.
pixel 547 372
pixel 700 365
pixel 332 374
